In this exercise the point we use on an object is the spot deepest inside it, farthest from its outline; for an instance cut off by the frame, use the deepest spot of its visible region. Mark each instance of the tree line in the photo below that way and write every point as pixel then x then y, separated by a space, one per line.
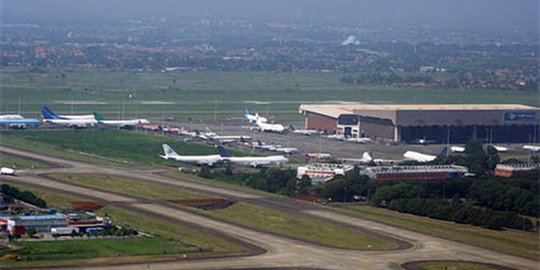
pixel 11 193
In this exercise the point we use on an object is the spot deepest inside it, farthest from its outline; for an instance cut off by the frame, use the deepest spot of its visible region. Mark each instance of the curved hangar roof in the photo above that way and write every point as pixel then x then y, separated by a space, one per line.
pixel 433 114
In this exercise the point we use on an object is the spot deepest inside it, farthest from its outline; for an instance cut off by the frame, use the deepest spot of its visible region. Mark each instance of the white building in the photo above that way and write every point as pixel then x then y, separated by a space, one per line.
pixel 322 172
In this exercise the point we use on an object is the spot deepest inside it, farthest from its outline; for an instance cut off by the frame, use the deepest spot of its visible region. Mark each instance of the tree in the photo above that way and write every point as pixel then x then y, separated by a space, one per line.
pixel 492 158
pixel 31 232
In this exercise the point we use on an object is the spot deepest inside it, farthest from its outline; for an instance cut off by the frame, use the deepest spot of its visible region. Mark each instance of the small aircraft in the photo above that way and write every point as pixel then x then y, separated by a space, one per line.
pixel 319 156
pixel 252 161
pixel 337 137
pixel 457 149
pixel 253 118
pixel 362 140
pixel 130 123
pixel 365 159
pixel 224 138
pixel 532 148
pixel 306 132
pixel 209 160
pixel 287 150
pixel 266 127
pixel 420 157
pixel 500 148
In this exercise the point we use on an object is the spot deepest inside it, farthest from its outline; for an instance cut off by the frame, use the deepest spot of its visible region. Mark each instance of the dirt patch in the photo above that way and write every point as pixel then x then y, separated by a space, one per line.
pixel 86 206
pixel 205 204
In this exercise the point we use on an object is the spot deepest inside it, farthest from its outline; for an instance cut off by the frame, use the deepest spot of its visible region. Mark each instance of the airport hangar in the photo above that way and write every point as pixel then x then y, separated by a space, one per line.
pixel 441 123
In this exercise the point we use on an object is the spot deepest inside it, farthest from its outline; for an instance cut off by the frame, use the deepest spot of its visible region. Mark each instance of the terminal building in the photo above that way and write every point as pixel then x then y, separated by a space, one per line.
pixel 448 123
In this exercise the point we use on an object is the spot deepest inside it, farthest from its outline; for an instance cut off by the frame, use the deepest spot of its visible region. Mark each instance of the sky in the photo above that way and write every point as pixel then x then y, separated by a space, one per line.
pixel 444 13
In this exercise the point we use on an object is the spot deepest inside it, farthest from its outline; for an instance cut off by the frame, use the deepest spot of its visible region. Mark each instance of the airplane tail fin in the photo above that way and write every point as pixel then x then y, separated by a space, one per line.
pixel 223 152
pixel 48 113
pixel 367 157
pixel 291 128
pixel 168 151
pixel 246 112
pixel 98 117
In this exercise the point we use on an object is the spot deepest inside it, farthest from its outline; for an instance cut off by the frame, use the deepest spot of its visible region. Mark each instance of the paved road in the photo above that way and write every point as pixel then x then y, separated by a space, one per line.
pixel 282 252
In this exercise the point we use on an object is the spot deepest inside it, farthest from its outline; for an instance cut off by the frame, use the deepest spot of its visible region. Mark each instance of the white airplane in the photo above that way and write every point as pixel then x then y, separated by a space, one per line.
pixel 77 122
pixel 266 127
pixel 532 148
pixel 49 114
pixel 337 137
pixel 287 150
pixel 500 148
pixel 420 157
pixel 253 118
pixel 306 132
pixel 457 149
pixel 7 171
pixel 224 138
pixel 363 140
pixel 209 160
pixel 366 158
pixel 252 161
pixel 130 123
pixel 320 156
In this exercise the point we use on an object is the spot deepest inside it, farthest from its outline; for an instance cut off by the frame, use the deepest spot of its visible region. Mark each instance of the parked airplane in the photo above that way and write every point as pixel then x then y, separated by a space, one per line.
pixel 50 117
pixel 363 140
pixel 252 161
pixel 365 159
pixel 338 137
pixel 266 127
pixel 130 123
pixel 209 160
pixel 16 121
pixel 307 132
pixel 500 148
pixel 532 148
pixel 224 138
pixel 287 150
pixel 49 114
pixel 253 118
pixel 319 156
pixel 420 157
pixel 457 149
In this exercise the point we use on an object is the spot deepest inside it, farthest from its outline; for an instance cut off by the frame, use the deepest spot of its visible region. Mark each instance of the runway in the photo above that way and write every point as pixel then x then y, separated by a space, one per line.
pixel 280 251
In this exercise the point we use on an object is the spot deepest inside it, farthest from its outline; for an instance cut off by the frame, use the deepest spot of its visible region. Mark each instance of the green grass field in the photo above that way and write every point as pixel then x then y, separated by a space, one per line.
pixel 99 248
pixel 21 163
pixel 130 187
pixel 103 146
pixel 304 228
pixel 453 266
pixel 509 241
pixel 198 94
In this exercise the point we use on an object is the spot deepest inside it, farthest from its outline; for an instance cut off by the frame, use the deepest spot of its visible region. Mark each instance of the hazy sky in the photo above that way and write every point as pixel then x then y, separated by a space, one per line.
pixel 461 13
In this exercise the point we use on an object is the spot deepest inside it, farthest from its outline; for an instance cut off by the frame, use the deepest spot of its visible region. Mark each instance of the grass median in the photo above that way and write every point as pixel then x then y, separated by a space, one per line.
pixel 509 241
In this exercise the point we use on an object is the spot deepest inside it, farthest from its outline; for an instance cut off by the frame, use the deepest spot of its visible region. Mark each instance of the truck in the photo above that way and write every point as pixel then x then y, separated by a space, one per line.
pixel 7 171
pixel 64 230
